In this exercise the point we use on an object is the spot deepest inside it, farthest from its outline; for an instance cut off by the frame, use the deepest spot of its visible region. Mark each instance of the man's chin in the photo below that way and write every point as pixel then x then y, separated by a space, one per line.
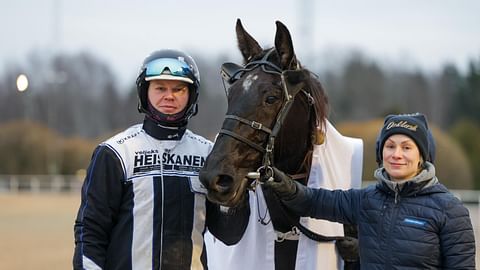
pixel 169 111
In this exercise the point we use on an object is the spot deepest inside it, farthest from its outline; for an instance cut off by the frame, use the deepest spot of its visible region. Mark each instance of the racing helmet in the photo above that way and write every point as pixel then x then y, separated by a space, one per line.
pixel 169 65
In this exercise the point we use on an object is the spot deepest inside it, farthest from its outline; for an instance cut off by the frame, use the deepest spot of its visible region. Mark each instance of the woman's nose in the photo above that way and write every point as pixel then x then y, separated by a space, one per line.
pixel 397 152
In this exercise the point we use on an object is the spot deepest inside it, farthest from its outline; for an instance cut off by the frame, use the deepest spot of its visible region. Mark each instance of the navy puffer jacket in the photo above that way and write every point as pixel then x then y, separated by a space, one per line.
pixel 417 224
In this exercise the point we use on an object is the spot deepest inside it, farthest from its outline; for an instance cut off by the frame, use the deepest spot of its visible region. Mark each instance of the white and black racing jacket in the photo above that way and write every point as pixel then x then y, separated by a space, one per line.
pixel 142 205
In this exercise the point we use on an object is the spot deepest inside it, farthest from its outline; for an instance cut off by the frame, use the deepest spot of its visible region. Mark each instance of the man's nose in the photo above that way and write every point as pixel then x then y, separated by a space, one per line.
pixel 169 93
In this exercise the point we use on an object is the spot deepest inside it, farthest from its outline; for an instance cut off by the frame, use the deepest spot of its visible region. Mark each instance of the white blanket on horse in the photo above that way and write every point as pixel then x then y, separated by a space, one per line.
pixel 336 164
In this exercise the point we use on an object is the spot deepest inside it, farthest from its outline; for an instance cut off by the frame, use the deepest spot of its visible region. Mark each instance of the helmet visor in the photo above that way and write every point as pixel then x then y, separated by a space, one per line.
pixel 168 69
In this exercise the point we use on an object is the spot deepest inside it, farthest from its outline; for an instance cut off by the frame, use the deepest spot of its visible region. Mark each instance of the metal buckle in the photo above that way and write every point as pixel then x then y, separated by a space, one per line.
pixel 293 234
pixel 256 125
pixel 269 148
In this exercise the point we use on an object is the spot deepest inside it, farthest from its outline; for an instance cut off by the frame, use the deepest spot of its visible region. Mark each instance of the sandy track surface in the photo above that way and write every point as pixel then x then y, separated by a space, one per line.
pixel 36 230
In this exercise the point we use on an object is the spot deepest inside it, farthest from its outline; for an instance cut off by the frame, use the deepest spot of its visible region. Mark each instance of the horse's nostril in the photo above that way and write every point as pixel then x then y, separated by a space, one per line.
pixel 223 183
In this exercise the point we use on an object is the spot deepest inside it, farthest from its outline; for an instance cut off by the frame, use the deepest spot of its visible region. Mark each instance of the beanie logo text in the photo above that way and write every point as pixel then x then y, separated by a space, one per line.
pixel 401 124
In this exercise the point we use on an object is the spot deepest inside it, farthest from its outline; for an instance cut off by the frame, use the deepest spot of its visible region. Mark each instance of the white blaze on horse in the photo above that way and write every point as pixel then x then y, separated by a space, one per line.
pixel 276 116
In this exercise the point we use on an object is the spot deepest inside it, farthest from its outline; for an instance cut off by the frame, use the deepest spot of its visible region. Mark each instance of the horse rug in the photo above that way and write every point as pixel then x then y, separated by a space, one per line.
pixel 336 164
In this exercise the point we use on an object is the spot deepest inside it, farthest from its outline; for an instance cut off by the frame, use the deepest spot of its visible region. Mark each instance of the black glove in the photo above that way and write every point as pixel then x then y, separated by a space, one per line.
pixel 348 248
pixel 282 185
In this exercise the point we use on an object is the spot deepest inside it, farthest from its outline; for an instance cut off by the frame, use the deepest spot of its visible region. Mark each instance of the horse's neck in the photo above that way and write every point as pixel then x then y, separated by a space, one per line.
pixel 297 132
pixel 294 147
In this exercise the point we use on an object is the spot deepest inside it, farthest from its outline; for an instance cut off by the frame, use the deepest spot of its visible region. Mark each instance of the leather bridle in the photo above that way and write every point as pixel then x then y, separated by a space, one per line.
pixel 232 72
pixel 267 151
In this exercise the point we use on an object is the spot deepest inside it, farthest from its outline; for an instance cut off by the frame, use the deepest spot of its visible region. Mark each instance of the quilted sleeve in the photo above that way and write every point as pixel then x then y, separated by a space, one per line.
pixel 457 241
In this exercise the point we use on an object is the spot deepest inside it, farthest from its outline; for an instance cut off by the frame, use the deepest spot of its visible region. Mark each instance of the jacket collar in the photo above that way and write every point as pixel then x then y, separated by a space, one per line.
pixel 160 132
pixel 425 179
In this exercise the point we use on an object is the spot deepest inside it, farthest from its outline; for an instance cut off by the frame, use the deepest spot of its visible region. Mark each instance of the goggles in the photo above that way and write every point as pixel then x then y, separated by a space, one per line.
pixel 165 68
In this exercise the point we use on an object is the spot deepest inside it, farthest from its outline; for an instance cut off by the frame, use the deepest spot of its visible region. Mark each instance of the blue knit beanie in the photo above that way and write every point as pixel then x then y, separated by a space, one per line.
pixel 412 125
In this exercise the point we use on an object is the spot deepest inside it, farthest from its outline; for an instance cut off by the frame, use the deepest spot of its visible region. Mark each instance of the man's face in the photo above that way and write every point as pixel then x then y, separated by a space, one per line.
pixel 168 96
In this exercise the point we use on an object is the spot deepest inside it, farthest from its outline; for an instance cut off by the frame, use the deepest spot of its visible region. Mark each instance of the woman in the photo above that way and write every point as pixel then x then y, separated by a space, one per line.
pixel 408 220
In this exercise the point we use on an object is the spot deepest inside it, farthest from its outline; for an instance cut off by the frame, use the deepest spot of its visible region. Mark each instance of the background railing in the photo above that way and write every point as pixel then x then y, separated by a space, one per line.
pixel 73 183
pixel 41 183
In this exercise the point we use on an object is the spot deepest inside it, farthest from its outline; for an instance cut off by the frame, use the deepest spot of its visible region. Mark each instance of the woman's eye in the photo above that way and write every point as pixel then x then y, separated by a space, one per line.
pixel 271 99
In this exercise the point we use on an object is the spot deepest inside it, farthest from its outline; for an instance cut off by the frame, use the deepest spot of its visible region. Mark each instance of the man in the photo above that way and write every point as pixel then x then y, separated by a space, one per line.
pixel 142 205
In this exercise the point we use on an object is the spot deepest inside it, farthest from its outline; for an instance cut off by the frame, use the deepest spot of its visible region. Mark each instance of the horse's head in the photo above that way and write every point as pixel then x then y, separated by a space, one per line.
pixel 272 104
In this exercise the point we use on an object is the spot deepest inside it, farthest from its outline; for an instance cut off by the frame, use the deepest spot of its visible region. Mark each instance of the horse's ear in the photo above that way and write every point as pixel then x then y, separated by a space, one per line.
pixel 246 43
pixel 284 46
pixel 295 80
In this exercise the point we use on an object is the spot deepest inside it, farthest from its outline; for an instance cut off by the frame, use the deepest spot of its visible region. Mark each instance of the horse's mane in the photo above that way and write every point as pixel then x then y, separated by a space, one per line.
pixel 320 100
pixel 318 123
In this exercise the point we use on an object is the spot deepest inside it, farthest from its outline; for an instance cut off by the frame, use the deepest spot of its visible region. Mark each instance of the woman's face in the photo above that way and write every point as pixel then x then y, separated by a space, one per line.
pixel 401 157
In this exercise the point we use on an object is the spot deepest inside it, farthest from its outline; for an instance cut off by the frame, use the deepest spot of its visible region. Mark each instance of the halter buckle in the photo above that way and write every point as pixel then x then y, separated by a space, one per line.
pixel 293 234
pixel 269 148
pixel 256 125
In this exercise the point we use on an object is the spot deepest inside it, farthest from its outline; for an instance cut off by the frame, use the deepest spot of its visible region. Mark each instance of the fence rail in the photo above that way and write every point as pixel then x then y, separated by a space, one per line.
pixel 41 183
pixel 73 183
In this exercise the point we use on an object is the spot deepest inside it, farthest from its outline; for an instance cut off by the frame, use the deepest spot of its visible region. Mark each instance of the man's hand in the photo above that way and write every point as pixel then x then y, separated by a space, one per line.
pixel 282 185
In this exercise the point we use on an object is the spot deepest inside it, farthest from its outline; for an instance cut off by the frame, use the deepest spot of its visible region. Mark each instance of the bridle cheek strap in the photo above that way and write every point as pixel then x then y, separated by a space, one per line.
pixel 242 139
pixel 252 124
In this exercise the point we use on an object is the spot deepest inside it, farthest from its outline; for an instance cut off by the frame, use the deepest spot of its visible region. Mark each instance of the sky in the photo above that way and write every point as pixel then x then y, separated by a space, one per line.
pixel 423 34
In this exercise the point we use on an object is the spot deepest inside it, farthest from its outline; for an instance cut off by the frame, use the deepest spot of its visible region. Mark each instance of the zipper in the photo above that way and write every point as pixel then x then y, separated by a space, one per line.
pixel 397 194
pixel 392 226
pixel 163 210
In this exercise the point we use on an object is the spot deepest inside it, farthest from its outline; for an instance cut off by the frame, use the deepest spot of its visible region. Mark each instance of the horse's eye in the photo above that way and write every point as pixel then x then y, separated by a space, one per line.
pixel 271 99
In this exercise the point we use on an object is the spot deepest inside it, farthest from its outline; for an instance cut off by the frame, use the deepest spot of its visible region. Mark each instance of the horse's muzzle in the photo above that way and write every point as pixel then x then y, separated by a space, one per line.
pixel 221 188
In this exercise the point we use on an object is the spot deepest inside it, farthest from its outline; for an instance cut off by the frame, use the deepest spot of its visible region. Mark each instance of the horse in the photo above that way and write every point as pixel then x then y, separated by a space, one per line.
pixel 277 111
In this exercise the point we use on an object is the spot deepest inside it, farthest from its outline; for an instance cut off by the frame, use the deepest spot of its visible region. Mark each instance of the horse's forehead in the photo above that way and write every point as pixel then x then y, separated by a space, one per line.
pixel 248 82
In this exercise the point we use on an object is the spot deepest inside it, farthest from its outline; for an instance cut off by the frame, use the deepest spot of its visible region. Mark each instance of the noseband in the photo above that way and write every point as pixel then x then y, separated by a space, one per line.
pixel 232 75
